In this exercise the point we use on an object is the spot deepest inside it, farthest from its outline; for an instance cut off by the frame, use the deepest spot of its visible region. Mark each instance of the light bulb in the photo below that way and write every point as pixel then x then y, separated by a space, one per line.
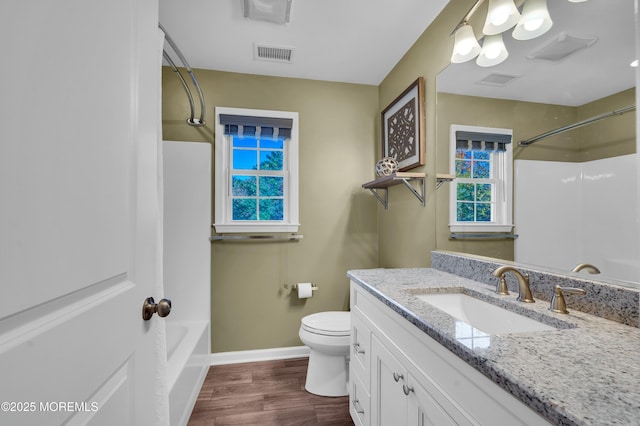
pixel 493 51
pixel 534 22
pixel 501 15
pixel 466 46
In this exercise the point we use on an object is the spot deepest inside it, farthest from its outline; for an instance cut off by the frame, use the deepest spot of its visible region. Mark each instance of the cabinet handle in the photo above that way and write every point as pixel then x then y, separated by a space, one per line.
pixel 356 347
pixel 407 389
pixel 356 406
pixel 397 377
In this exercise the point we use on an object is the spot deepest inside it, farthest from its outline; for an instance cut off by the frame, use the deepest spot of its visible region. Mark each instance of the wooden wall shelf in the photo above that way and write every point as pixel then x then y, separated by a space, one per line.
pixel 383 183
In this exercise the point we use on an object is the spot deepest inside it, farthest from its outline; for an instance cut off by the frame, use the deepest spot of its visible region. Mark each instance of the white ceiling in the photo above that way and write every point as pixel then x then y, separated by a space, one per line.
pixel 360 41
pixel 590 74
pixel 353 41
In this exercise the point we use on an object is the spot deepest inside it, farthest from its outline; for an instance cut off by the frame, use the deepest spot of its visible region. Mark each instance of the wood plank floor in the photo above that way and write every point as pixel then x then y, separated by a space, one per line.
pixel 265 393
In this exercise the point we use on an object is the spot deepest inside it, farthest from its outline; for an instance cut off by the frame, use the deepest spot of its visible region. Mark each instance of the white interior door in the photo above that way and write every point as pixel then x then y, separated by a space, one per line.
pixel 79 214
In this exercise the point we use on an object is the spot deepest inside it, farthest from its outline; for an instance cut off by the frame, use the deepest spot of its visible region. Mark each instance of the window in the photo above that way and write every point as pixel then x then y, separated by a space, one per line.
pixel 256 174
pixel 481 194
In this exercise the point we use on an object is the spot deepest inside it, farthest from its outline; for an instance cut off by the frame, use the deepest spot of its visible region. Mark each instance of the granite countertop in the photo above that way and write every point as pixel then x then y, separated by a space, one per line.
pixel 585 372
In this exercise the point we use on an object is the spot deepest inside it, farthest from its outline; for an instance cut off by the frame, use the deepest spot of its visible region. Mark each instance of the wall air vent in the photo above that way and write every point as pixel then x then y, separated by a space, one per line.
pixel 264 52
pixel 497 80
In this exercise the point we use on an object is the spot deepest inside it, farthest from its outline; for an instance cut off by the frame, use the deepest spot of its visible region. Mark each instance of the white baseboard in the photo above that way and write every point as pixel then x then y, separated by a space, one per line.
pixel 236 357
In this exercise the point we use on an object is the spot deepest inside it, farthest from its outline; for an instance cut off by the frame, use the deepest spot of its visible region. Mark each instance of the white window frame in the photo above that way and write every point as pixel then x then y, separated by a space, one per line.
pixel 223 222
pixel 502 176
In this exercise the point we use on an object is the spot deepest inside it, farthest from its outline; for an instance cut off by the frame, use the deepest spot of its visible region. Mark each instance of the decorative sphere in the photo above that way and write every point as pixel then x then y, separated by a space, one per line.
pixel 386 166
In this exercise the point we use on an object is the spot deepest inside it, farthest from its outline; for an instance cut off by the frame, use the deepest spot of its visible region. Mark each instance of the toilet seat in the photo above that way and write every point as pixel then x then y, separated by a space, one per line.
pixel 332 323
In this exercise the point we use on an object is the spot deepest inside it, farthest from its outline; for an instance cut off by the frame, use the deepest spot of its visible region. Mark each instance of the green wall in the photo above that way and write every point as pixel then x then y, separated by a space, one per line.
pixel 407 231
pixel 250 307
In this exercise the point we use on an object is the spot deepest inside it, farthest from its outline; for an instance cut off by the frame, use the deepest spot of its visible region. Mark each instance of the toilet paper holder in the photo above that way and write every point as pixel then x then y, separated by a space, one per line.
pixel 294 287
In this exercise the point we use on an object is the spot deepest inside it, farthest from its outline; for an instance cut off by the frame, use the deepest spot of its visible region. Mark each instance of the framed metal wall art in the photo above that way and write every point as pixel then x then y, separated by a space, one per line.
pixel 403 127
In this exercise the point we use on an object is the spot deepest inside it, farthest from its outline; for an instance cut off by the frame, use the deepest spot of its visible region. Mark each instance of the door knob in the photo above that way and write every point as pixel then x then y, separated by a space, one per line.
pixel 150 307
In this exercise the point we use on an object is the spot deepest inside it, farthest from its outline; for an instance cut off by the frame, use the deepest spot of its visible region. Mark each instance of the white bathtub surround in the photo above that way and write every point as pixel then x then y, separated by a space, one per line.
pixel 571 213
pixel 187 271
pixel 604 299
pixel 584 374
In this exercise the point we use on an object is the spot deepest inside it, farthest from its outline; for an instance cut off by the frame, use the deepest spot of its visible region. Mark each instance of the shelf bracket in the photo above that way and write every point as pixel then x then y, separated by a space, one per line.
pixel 383 183
pixel 419 195
pixel 443 178
pixel 383 200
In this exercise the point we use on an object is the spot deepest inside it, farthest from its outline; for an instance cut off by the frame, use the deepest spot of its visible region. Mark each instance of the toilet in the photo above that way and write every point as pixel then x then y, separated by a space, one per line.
pixel 327 335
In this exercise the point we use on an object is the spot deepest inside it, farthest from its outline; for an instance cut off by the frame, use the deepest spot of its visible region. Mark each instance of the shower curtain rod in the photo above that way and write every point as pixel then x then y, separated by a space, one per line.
pixel 192 121
pixel 576 125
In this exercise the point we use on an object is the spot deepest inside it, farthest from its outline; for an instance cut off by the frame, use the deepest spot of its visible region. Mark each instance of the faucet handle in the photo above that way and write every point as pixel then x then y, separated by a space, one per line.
pixel 558 303
pixel 501 287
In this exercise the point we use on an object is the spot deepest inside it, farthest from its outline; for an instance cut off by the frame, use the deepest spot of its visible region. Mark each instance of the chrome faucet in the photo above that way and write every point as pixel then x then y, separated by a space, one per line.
pixel 523 280
pixel 588 267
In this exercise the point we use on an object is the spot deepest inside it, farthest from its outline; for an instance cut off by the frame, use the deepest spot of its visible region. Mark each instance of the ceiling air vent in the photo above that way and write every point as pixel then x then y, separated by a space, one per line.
pixel 561 47
pixel 264 52
pixel 497 80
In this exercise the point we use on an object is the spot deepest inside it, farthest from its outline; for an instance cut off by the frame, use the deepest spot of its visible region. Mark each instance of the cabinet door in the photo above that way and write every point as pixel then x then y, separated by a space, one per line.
pixel 423 409
pixel 388 401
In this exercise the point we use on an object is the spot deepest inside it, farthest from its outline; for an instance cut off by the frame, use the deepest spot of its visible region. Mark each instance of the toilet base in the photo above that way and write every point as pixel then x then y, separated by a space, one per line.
pixel 327 375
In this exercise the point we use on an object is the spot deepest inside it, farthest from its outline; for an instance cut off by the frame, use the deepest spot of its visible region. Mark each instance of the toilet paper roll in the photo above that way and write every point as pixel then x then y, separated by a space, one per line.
pixel 304 290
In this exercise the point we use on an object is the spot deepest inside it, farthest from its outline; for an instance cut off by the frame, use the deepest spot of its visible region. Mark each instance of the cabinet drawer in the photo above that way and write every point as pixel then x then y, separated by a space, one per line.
pixel 360 351
pixel 359 401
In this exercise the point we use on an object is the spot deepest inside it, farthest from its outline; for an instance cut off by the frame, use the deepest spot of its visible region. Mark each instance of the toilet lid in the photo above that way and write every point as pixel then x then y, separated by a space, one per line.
pixel 328 323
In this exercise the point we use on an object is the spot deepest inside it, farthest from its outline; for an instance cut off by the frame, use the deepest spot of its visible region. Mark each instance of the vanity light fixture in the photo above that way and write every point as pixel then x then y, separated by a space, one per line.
pixel 501 15
pixel 465 47
pixel 493 51
pixel 534 22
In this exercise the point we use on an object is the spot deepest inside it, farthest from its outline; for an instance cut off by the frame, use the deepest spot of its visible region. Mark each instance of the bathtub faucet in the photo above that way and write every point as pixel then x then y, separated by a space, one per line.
pixel 523 280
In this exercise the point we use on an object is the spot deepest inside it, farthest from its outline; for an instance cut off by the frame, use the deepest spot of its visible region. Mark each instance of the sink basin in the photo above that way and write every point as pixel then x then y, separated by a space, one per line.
pixel 481 315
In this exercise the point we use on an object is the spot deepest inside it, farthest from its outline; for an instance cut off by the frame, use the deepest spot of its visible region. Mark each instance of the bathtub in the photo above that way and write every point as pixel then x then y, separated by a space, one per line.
pixel 187 271
pixel 188 361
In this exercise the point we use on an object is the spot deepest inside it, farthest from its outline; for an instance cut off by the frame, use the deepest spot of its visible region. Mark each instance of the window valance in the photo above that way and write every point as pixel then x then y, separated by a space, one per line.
pixel 476 141
pixel 244 125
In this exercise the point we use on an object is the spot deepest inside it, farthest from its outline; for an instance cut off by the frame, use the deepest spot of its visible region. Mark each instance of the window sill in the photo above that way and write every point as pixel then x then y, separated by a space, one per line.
pixel 258 227
pixel 480 228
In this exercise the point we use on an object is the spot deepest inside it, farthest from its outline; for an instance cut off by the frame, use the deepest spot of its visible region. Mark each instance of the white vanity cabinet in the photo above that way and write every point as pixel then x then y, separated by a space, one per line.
pixel 401 376
pixel 399 395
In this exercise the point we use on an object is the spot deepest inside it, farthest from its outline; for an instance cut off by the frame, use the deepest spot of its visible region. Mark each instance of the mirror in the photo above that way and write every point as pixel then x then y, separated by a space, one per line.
pixel 534 91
